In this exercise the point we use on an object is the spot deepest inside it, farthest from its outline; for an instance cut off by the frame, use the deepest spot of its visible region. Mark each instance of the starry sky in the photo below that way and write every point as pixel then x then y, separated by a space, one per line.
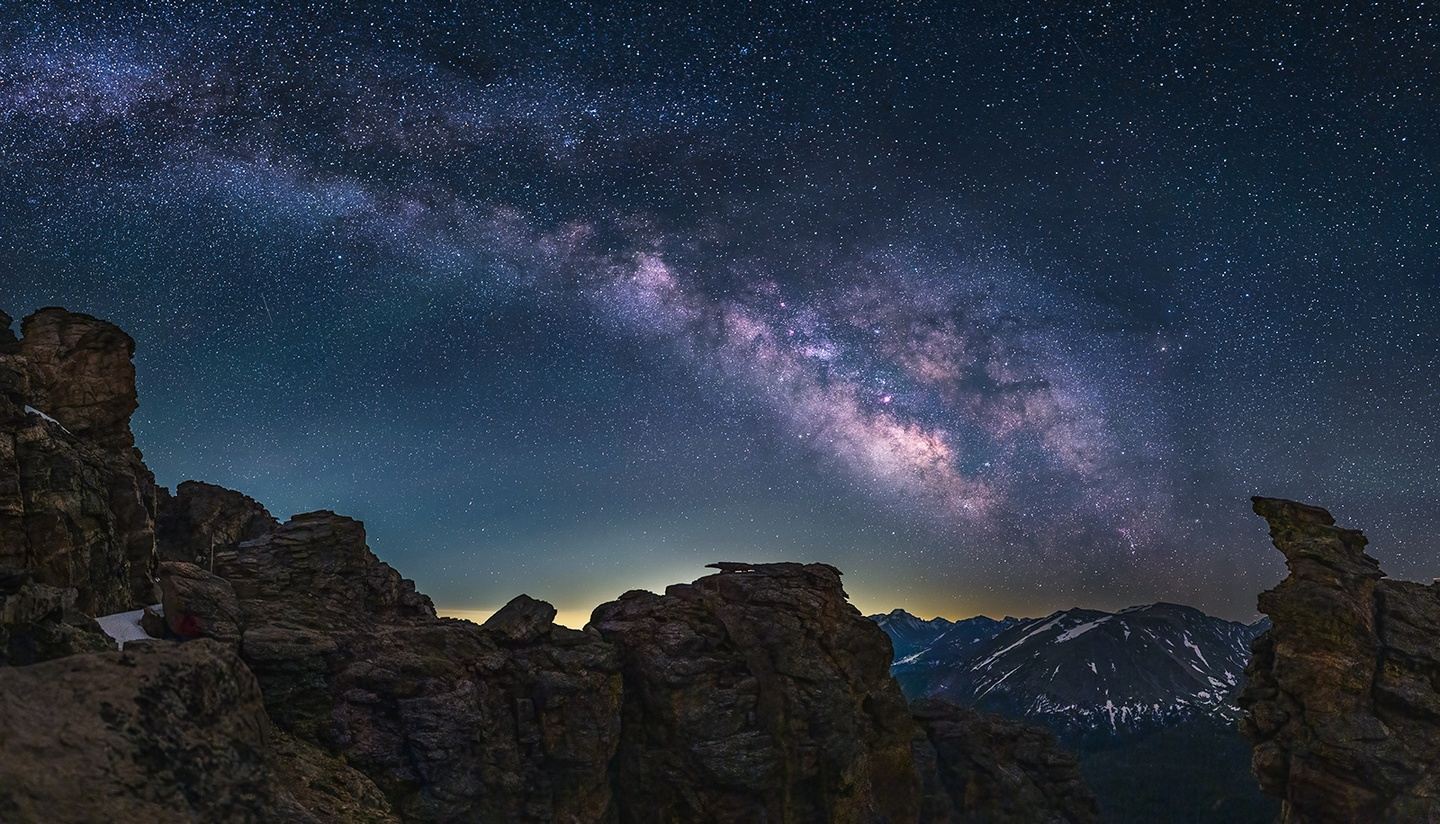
pixel 998 307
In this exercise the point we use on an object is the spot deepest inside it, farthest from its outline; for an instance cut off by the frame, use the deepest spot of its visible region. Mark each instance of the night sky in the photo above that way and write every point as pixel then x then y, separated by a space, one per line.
pixel 1000 309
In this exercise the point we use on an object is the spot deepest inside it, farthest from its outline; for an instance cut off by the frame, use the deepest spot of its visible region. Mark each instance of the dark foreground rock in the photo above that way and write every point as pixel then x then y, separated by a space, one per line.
pixel 514 721
pixel 758 695
pixel 999 771
pixel 1343 694
pixel 39 622
pixel 159 732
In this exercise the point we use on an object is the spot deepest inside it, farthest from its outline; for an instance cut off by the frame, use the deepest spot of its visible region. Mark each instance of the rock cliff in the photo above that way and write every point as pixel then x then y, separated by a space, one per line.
pixel 77 503
pixel 513 721
pixel 1342 698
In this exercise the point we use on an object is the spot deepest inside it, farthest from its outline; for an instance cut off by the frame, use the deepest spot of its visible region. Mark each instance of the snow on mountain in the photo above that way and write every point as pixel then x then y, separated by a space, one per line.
pixel 1082 669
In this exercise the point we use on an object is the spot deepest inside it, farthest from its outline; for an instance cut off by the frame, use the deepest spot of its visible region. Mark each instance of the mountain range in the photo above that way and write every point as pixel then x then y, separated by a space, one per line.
pixel 1078 669
pixel 1146 697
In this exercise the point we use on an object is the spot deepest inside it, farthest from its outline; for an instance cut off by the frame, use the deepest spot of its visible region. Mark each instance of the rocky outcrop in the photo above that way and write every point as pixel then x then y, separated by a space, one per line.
pixel 77 504
pixel 995 770
pixel 758 694
pixel 81 374
pixel 200 519
pixel 514 721
pixel 159 732
pixel 1343 694
pixel 39 622
pixel 755 694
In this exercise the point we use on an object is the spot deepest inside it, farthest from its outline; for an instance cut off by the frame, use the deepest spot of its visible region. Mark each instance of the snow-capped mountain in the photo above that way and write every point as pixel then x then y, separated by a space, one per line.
pixel 1083 669
pixel 912 636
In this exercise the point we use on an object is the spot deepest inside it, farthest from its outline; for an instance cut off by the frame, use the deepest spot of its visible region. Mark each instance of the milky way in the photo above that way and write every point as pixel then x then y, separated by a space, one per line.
pixel 1006 309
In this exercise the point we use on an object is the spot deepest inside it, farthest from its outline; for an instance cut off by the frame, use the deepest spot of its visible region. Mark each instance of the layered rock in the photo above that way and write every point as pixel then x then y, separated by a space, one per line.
pixel 77 504
pixel 995 770
pixel 758 694
pixel 1343 694
pixel 514 721
pixel 159 733
pixel 82 374
pixel 201 519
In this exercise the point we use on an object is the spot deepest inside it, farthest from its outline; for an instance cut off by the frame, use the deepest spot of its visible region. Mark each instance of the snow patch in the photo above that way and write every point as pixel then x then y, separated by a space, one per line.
pixel 1048 624
pixel 33 411
pixel 1076 632
pixel 1192 646
pixel 124 626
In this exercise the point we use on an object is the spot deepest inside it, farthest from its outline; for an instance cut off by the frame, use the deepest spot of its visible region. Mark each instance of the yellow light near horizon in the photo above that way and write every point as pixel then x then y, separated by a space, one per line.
pixel 574 619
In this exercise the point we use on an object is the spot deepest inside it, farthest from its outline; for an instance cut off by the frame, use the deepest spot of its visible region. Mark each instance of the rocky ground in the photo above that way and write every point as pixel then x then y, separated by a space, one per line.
pixel 296 677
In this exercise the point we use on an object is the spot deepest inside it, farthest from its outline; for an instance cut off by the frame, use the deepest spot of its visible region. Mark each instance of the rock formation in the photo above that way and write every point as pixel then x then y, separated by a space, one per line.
pixel 39 622
pixel 81 374
pixel 77 504
pixel 1343 695
pixel 513 721
pixel 201 519
pixel 302 679
pixel 758 694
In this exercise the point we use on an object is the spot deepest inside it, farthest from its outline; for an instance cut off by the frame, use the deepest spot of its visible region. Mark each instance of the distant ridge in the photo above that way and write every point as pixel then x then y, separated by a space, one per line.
pixel 1078 669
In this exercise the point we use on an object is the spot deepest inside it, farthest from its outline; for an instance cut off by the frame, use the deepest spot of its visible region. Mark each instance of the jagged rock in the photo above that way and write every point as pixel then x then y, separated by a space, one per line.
pixel 758 694
pixel 995 770
pixel 81 374
pixel 517 721
pixel 198 603
pixel 39 622
pixel 200 519
pixel 77 504
pixel 155 733
pixel 1342 697
pixel 7 335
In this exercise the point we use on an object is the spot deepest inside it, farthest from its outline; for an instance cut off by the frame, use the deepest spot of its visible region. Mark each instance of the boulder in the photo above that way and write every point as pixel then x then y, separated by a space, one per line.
pixel 152 620
pixel 197 603
pixel 1342 701
pixel 522 620
pixel 39 622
